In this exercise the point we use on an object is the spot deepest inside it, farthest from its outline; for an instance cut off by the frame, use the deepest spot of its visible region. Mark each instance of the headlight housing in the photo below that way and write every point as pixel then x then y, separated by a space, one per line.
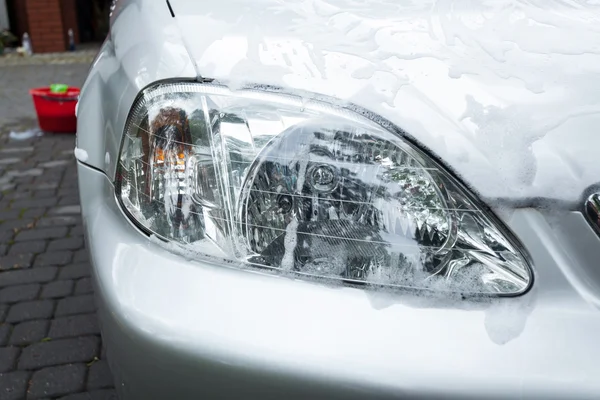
pixel 272 180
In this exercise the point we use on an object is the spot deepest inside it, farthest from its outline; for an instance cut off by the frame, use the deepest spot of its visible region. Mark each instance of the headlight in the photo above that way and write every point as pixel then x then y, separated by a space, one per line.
pixel 274 181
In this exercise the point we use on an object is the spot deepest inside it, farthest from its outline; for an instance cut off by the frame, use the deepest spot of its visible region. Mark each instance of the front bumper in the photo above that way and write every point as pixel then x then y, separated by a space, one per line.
pixel 182 329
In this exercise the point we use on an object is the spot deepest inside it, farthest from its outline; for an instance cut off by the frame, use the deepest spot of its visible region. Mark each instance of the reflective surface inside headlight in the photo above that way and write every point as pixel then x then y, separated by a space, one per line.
pixel 304 187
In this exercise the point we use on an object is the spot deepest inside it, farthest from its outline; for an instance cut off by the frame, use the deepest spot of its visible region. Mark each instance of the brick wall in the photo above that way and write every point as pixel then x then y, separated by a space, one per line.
pixel 45 25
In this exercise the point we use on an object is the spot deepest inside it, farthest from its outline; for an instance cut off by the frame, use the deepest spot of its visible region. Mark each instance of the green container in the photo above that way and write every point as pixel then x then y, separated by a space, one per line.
pixel 58 88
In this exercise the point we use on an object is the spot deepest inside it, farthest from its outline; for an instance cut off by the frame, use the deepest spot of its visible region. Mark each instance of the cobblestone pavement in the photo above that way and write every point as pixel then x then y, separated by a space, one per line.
pixel 84 56
pixel 50 345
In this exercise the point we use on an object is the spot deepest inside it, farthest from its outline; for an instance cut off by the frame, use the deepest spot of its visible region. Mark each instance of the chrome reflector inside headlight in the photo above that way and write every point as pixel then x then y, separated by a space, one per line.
pixel 274 181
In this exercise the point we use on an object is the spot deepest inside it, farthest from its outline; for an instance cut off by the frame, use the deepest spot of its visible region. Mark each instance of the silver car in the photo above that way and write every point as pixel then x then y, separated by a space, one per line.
pixel 316 199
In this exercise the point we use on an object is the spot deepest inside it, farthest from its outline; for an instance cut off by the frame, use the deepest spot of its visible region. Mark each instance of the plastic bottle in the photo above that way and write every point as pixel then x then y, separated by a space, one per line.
pixel 71 40
pixel 27 44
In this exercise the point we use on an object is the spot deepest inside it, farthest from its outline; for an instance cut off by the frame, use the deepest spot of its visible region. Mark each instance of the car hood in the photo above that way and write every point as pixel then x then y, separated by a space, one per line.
pixel 504 92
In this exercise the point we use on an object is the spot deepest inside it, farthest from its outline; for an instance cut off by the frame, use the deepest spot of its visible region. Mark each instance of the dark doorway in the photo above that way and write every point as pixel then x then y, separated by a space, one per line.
pixel 93 19
pixel 17 17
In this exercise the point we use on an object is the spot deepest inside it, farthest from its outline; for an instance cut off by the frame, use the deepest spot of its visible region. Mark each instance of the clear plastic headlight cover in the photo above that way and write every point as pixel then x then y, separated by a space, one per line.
pixel 270 180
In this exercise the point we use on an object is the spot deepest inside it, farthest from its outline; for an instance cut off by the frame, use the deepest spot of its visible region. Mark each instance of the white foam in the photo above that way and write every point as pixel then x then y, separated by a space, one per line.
pixel 24 135
pixel 81 154
pixel 290 242
pixel 480 84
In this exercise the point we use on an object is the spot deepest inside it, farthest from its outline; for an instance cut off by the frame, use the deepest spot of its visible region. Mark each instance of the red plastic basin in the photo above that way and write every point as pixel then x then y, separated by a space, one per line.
pixel 56 111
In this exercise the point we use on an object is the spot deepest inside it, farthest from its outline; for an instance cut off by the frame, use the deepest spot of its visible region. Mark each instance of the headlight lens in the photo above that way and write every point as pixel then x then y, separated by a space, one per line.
pixel 274 181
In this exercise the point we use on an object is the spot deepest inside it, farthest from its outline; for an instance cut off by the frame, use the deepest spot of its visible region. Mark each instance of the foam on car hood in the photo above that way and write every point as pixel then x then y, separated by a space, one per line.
pixel 506 93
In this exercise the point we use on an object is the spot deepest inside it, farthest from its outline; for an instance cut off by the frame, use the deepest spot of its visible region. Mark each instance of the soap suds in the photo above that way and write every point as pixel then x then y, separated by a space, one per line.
pixel 81 154
pixel 290 242
pixel 417 64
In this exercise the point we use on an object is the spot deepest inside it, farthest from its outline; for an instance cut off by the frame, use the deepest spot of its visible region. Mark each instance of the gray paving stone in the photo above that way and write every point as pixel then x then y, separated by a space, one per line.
pixel 32 186
pixel 38 203
pixel 76 231
pixel 64 192
pixel 52 175
pixel 68 200
pixel 27 170
pixel 5 331
pixel 75 325
pixel 70 243
pixel 40 157
pixel 28 248
pixel 40 194
pixel 99 376
pixel 47 162
pixel 70 179
pixel 43 186
pixel 15 294
pixel 37 275
pixel 8 358
pixel 103 350
pixel 62 220
pixel 34 212
pixel 57 381
pixel 56 165
pixel 43 196
pixel 37 309
pixel 57 352
pixel 42 233
pixel 3 312
pixel 13 261
pixel 11 198
pixel 19 223
pixel 69 194
pixel 106 394
pixel 62 257
pixel 84 286
pixel 6 236
pixel 29 332
pixel 68 62
pixel 75 271
pixel 13 385
pixel 81 256
pixel 22 179
pixel 75 305
pixel 66 210
pixel 57 289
